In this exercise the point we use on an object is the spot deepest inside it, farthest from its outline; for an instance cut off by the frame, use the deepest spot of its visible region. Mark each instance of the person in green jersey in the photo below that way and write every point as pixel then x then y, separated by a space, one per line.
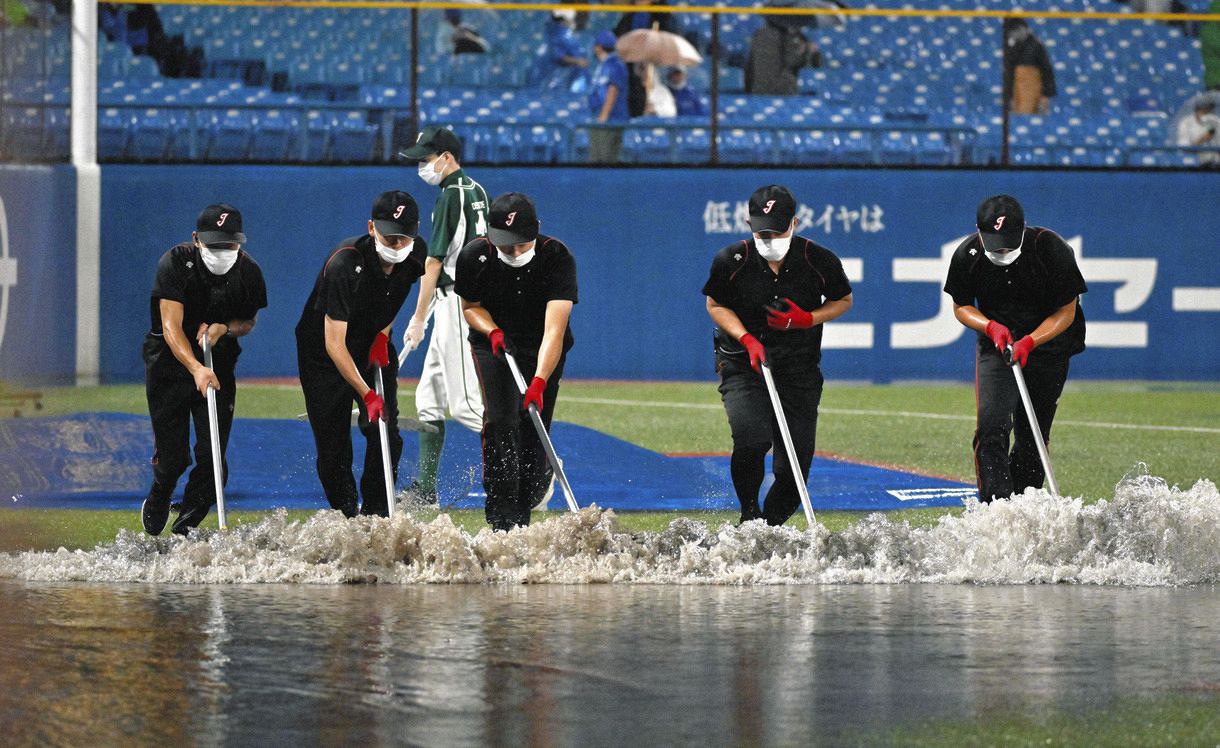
pixel 448 381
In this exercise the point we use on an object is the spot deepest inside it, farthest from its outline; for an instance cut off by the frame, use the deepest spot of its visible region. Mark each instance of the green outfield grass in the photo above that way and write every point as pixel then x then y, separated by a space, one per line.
pixel 1102 431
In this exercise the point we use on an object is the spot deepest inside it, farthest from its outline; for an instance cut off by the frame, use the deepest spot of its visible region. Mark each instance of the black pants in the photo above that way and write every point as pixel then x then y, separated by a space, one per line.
pixel 173 403
pixel 756 431
pixel 328 401
pixel 516 473
pixel 1003 472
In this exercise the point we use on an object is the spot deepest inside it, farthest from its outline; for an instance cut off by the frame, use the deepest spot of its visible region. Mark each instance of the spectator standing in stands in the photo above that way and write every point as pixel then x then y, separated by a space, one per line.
pixel 1018 287
pixel 1200 129
pixel 646 20
pixel 778 51
pixel 607 101
pixel 770 297
pixel 1029 76
pixel 687 102
pixel 456 38
pixel 517 288
pixel 1209 40
pixel 343 333
pixel 207 287
pixel 561 61
pixel 639 89
pixel 448 381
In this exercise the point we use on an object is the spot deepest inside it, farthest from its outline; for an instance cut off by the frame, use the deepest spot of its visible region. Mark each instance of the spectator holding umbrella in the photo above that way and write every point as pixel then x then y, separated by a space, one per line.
pixel 607 100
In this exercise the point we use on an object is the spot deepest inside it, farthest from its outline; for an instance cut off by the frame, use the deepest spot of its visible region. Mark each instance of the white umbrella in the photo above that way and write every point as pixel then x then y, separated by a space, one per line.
pixel 658 47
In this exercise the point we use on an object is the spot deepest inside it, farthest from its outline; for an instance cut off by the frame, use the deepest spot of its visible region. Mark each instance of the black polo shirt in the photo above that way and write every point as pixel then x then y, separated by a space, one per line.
pixel 353 288
pixel 742 280
pixel 516 298
pixel 182 277
pixel 1023 294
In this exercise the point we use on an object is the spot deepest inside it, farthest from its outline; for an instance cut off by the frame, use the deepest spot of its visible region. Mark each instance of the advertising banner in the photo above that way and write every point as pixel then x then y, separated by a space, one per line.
pixel 644 240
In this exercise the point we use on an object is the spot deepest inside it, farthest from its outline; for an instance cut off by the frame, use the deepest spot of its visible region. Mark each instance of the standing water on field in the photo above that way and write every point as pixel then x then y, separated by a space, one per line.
pixel 738 636
pixel 1148 534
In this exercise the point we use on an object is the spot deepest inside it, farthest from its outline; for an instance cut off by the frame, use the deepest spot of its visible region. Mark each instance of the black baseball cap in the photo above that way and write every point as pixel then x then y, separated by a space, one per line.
pixel 219 224
pixel 772 209
pixel 1001 223
pixel 395 214
pixel 433 139
pixel 513 220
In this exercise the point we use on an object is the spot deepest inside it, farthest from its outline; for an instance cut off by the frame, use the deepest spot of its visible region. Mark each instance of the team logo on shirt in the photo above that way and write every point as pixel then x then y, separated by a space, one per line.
pixel 767 208
pixel 999 222
pixel 221 222
pixel 398 212
pixel 511 217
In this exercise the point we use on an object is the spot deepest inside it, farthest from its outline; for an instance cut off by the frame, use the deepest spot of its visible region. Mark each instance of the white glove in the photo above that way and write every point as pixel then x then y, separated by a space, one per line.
pixel 414 334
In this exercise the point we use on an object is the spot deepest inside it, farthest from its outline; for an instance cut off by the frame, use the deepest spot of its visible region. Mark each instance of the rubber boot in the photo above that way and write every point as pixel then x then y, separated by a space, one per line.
pixel 430 447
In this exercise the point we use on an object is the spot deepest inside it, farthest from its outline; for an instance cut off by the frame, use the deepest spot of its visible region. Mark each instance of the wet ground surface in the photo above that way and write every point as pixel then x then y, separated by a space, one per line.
pixel 576 664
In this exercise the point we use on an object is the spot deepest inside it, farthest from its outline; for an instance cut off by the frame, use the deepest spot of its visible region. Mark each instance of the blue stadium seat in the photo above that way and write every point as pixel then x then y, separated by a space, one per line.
pixel 853 147
pixel 113 133
pixel 228 135
pixel 273 135
pixel 151 134
pixel 24 133
pixel 315 140
pixel 932 149
pixel 897 147
pixel 647 145
pixel 353 137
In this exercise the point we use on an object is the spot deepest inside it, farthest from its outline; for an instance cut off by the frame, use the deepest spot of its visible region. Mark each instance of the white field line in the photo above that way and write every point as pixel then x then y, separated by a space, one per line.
pixel 894 414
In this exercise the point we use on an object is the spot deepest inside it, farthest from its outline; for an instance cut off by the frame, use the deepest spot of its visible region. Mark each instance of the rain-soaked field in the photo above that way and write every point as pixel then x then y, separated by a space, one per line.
pixel 1089 621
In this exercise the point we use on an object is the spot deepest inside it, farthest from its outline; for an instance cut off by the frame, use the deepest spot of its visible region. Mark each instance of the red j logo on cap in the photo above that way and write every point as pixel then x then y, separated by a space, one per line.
pixel 509 221
pixel 221 222
pixel 767 208
pixel 999 222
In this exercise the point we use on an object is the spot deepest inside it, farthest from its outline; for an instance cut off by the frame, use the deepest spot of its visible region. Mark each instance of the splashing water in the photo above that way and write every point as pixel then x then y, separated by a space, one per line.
pixel 1149 534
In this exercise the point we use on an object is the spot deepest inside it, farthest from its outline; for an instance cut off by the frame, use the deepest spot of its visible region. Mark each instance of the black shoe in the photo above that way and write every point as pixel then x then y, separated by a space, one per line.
pixel 750 513
pixel 189 518
pixel 154 512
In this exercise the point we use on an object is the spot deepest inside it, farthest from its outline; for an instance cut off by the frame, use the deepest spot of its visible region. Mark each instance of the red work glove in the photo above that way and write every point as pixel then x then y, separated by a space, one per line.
pixel 496 337
pixel 788 316
pixel 1021 349
pixel 758 354
pixel 533 394
pixel 378 353
pixel 999 335
pixel 375 406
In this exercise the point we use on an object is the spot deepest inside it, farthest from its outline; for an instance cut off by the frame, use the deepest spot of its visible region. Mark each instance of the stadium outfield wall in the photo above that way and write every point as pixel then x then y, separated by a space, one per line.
pixel 643 239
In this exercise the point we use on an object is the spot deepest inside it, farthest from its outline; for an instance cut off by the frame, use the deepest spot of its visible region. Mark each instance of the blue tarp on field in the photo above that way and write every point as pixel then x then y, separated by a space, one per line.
pixel 101 461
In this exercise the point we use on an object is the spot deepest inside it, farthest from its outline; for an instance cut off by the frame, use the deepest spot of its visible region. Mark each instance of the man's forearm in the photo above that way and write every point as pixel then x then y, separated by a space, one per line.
pixel 427 287
pixel 240 327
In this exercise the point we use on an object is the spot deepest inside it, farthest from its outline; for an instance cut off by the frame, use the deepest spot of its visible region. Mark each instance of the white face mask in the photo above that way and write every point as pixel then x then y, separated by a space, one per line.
pixel 218 261
pixel 518 260
pixel 428 172
pixel 393 256
pixel 1007 257
pixel 772 248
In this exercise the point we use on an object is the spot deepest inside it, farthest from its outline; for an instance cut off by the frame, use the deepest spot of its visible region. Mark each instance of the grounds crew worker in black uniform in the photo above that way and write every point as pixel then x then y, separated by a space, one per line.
pixel 517 288
pixel 1015 285
pixel 769 297
pixel 207 286
pixel 343 333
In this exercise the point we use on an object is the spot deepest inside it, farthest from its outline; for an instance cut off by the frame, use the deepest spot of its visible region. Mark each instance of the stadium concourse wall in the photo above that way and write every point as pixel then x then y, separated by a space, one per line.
pixel 643 239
